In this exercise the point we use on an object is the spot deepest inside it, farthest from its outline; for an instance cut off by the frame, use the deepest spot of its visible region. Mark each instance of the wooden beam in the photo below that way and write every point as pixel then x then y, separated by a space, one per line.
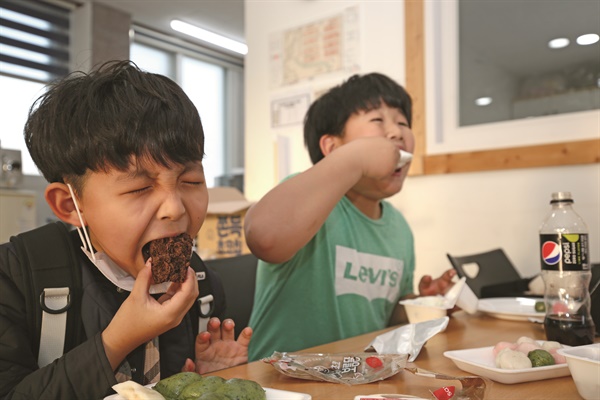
pixel 567 153
pixel 415 78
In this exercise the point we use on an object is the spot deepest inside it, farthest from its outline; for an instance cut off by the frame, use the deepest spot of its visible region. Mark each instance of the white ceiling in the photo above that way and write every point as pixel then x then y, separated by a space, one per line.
pixel 225 17
pixel 496 32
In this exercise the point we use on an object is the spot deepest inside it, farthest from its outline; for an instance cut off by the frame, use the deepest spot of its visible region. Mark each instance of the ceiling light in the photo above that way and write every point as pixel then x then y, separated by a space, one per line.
pixel 209 37
pixel 483 101
pixel 558 43
pixel 589 38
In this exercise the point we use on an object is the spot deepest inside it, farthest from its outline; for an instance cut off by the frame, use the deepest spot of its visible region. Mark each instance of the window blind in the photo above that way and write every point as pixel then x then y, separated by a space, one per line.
pixel 34 40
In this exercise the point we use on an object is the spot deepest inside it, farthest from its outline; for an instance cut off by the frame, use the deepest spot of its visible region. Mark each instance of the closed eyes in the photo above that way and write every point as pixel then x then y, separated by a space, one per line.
pixel 139 190
pixel 146 188
pixel 194 183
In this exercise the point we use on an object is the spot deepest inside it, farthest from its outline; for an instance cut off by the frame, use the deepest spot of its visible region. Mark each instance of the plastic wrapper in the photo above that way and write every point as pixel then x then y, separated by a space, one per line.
pixel 471 387
pixel 347 368
pixel 394 396
pixel 408 339
pixel 460 388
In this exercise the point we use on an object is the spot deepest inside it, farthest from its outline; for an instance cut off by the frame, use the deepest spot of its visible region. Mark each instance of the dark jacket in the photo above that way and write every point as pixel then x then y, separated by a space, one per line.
pixel 84 372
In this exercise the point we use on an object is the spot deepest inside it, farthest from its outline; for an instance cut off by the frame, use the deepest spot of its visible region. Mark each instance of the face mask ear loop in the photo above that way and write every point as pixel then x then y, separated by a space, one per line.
pixel 87 238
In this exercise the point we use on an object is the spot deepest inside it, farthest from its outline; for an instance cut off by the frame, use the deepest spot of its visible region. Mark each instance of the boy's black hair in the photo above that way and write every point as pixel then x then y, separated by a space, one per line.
pixel 99 121
pixel 329 113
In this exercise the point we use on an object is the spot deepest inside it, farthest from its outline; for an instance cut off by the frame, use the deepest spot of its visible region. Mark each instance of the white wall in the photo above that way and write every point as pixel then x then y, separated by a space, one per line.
pixel 455 213
pixel 382 50
pixel 472 212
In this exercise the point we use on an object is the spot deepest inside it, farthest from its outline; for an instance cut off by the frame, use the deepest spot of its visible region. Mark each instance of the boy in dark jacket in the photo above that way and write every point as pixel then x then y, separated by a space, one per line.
pixel 122 151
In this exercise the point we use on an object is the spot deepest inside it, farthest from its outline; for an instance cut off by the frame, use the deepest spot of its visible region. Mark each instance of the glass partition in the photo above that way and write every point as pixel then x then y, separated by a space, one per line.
pixel 443 146
pixel 522 59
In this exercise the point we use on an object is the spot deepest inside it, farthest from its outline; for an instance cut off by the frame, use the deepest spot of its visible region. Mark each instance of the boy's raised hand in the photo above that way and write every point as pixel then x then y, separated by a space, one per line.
pixel 431 287
pixel 289 215
pixel 217 348
pixel 141 317
pixel 377 157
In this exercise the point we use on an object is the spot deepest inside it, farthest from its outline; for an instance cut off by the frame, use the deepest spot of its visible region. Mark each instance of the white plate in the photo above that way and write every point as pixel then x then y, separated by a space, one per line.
pixel 272 394
pixel 510 308
pixel 481 362
pixel 276 394
pixel 394 396
pixel 388 396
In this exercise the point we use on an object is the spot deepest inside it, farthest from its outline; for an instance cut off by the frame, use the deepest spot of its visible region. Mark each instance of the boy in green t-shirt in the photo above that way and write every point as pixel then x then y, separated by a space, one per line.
pixel 336 257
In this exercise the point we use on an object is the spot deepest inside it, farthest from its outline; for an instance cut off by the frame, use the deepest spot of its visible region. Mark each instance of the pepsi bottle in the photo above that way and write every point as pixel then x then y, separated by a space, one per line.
pixel 566 273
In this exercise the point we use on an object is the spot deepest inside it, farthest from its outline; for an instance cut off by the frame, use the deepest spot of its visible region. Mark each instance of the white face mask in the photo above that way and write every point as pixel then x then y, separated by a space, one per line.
pixel 102 261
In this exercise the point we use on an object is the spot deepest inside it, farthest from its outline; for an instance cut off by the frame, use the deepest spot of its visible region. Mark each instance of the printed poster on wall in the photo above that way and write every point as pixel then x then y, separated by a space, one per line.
pixel 320 47
pixel 289 110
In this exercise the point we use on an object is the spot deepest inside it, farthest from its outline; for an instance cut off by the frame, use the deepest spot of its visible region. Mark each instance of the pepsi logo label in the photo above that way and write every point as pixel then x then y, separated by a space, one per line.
pixel 551 253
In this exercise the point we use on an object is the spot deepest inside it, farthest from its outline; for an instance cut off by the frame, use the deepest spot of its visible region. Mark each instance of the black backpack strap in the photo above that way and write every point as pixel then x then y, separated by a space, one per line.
pixel 51 268
pixel 209 284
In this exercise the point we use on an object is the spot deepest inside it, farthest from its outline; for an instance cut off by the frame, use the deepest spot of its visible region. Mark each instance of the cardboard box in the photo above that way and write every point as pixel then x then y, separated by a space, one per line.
pixel 222 234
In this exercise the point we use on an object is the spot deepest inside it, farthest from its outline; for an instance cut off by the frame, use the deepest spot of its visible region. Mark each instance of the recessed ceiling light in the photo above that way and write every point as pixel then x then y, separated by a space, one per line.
pixel 589 38
pixel 209 37
pixel 558 43
pixel 483 101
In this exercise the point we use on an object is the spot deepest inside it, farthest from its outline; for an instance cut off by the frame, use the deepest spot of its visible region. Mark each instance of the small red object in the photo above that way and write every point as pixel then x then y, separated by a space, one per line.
pixel 373 362
pixel 444 393
pixel 560 308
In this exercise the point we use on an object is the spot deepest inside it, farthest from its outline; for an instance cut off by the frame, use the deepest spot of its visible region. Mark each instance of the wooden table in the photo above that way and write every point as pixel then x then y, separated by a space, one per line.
pixel 463 332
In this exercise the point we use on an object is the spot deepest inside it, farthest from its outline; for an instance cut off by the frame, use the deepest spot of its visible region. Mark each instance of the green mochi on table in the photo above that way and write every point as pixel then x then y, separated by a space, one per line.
pixel 242 389
pixel 172 386
pixel 213 396
pixel 192 386
pixel 196 389
pixel 540 358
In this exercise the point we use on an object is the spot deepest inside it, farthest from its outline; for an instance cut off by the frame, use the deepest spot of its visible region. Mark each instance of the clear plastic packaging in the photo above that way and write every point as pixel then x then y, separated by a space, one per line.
pixel 408 339
pixel 385 356
pixel 347 368
pixel 469 387
pixel 405 158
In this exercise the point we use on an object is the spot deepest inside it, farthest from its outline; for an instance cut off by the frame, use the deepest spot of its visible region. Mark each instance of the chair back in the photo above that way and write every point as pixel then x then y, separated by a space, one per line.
pixel 494 270
pixel 239 280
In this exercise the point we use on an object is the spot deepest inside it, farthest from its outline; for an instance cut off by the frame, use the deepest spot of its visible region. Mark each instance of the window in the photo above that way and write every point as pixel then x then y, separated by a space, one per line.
pixel 450 130
pixel 214 83
pixel 16 98
pixel 516 73
pixel 204 84
pixel 153 59
pixel 34 41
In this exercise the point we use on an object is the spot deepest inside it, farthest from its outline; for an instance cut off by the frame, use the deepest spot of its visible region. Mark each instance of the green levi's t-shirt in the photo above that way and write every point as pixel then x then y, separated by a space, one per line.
pixel 345 282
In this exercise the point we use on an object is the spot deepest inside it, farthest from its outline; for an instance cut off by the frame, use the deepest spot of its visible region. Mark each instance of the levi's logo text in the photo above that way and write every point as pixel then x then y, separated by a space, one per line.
pixel 564 252
pixel 368 275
